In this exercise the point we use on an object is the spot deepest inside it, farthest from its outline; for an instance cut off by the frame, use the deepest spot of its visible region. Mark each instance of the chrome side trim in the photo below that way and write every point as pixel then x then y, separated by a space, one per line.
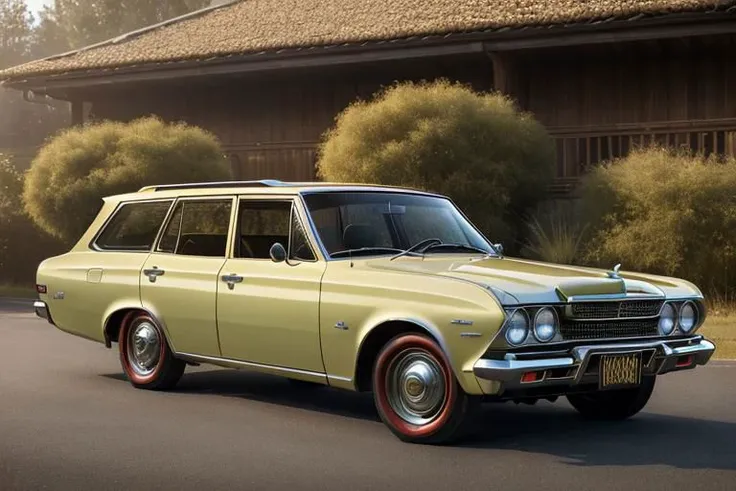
pixel 232 363
pixel 338 378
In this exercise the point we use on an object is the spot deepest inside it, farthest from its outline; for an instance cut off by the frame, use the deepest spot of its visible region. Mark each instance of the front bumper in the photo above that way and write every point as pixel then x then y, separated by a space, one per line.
pixel 578 366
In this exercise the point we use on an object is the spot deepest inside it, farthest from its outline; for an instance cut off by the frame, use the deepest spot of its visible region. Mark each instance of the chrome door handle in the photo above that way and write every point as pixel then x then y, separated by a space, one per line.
pixel 231 279
pixel 153 273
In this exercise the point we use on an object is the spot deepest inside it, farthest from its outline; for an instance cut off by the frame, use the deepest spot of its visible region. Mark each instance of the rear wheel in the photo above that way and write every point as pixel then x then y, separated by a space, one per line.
pixel 145 355
pixel 416 393
pixel 614 405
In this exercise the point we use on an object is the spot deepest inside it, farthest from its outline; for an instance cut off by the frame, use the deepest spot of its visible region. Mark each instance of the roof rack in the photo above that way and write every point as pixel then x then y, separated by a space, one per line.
pixel 214 185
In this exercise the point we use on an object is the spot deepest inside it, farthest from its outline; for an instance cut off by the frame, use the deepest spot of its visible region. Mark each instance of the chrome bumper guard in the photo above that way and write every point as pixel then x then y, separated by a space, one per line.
pixel 571 367
pixel 42 310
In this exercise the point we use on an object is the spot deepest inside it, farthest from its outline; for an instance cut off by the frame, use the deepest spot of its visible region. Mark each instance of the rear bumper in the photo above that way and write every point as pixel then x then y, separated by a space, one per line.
pixel 42 310
pixel 579 365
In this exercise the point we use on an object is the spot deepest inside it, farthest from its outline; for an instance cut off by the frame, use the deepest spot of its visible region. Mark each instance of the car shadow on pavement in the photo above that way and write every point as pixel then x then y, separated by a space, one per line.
pixel 553 429
pixel 278 390
pixel 645 440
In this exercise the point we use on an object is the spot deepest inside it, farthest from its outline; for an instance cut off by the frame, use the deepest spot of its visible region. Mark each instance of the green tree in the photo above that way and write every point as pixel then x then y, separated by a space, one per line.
pixel 22 125
pixel 493 160
pixel 72 24
pixel 74 171
pixel 15 32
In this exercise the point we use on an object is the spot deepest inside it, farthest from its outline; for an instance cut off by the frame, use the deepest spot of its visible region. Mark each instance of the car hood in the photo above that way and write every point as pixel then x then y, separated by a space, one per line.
pixel 517 281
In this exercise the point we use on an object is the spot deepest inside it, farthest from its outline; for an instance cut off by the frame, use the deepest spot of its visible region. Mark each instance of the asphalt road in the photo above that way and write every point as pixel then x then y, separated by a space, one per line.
pixel 69 420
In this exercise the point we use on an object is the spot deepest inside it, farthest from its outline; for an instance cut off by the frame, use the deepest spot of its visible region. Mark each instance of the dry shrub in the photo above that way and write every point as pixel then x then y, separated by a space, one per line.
pixel 554 234
pixel 493 160
pixel 76 169
pixel 667 212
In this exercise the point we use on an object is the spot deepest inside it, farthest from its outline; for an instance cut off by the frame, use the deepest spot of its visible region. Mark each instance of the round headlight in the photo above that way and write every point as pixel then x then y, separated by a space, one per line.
pixel 545 324
pixel 667 320
pixel 518 327
pixel 688 317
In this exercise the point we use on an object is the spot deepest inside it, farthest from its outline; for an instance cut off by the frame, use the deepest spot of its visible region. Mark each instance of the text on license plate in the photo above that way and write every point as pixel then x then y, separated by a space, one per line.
pixel 620 370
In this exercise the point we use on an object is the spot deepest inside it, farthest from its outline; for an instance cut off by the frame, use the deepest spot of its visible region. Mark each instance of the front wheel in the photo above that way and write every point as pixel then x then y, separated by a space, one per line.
pixel 614 405
pixel 145 354
pixel 416 393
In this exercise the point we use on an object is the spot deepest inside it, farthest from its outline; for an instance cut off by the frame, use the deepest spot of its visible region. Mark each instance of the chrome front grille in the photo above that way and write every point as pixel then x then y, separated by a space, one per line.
pixel 615 310
pixel 571 331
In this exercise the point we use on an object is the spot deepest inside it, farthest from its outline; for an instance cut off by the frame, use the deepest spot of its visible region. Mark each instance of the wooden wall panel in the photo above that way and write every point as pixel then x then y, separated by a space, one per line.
pixel 271 126
pixel 598 101
pixel 633 83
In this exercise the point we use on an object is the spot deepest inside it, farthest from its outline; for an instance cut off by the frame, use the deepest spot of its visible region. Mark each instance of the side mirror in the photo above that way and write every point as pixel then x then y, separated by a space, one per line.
pixel 499 248
pixel 277 253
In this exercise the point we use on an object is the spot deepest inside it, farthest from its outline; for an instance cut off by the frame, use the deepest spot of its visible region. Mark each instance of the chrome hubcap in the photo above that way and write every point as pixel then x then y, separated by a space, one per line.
pixel 144 348
pixel 416 387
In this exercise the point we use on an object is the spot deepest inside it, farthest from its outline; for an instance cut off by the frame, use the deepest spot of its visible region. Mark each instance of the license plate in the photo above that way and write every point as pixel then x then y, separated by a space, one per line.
pixel 620 370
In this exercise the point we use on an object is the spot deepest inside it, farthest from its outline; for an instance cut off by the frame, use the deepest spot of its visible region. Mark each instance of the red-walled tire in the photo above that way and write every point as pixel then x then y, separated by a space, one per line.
pixel 145 355
pixel 416 393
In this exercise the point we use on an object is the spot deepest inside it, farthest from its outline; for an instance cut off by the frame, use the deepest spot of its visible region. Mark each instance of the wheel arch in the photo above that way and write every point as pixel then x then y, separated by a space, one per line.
pixel 378 336
pixel 114 322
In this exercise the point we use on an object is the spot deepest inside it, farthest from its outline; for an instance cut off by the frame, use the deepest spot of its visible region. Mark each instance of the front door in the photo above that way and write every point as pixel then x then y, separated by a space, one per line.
pixel 180 278
pixel 268 312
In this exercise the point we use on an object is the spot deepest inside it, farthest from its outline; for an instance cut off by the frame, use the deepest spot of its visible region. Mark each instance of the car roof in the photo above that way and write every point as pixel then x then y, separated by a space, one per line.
pixel 262 187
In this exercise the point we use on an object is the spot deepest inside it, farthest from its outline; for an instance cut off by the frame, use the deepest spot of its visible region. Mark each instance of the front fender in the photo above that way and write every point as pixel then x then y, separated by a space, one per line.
pixel 462 316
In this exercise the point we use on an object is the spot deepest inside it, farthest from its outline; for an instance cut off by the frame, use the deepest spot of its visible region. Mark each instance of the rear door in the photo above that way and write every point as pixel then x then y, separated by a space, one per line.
pixel 86 286
pixel 180 278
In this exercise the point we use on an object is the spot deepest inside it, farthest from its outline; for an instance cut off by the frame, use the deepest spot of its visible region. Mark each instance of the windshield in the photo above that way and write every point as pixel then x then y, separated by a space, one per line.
pixel 371 223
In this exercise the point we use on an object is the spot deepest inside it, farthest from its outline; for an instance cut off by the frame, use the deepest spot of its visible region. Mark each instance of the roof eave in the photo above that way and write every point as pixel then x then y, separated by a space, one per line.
pixel 600 32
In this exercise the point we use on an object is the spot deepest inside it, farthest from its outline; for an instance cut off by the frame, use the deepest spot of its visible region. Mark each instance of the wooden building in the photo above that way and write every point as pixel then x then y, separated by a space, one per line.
pixel 268 77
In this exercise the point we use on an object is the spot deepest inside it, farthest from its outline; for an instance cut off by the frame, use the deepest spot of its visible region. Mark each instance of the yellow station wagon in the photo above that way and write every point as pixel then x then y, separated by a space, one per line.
pixel 364 288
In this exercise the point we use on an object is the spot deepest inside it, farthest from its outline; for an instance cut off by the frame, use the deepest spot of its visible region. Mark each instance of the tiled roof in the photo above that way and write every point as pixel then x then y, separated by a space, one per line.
pixel 253 26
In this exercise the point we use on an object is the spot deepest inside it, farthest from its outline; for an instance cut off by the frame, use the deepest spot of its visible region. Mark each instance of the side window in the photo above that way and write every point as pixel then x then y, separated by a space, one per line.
pixel 134 226
pixel 263 223
pixel 198 228
pixel 260 225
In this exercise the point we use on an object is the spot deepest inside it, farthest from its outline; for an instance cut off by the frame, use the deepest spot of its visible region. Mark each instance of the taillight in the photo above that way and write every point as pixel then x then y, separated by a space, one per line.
pixel 41 289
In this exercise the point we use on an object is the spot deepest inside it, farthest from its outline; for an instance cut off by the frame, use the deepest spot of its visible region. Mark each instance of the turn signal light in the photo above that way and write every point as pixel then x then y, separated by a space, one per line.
pixel 529 377
pixel 684 361
pixel 41 289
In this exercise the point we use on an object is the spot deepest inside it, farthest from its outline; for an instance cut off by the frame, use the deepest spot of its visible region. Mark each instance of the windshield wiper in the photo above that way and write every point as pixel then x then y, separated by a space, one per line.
pixel 363 250
pixel 466 247
pixel 417 248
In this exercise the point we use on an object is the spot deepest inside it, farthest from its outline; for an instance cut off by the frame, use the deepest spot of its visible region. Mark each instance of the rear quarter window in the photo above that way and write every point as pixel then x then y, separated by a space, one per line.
pixel 133 227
